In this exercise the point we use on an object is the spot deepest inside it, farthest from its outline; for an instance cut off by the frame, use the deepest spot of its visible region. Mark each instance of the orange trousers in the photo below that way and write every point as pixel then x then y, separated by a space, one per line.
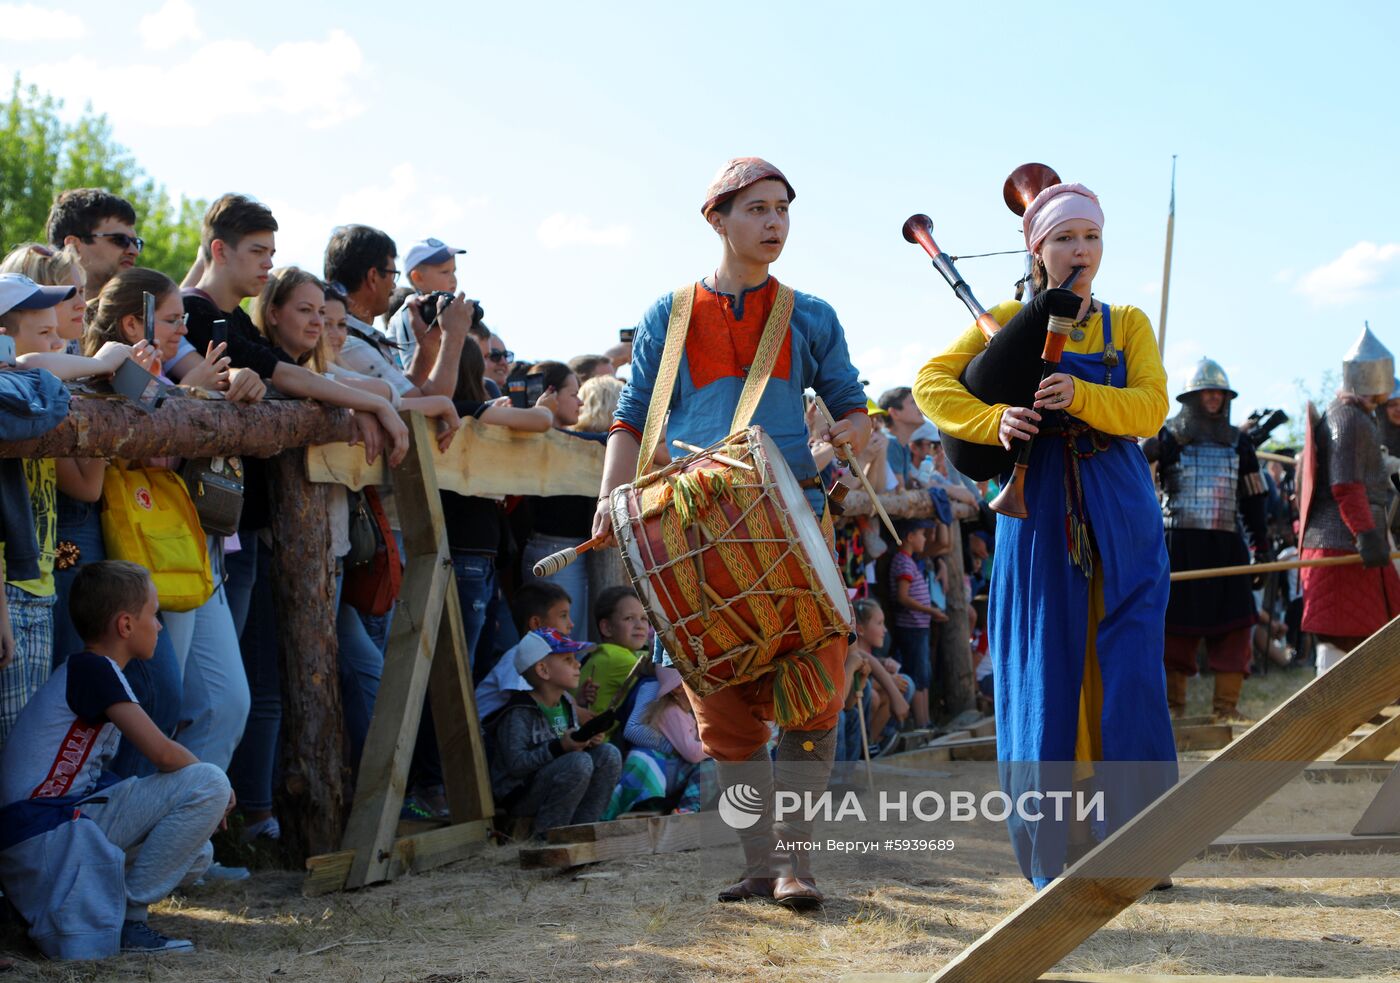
pixel 734 721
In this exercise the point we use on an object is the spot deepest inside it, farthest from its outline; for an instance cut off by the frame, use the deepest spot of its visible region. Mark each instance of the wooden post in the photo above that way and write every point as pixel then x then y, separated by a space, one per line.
pixel 956 678
pixel 311 794
pixel 1185 819
pixel 427 630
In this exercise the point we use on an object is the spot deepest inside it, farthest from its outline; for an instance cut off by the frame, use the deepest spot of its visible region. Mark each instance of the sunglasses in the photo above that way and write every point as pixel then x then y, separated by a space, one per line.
pixel 500 355
pixel 119 239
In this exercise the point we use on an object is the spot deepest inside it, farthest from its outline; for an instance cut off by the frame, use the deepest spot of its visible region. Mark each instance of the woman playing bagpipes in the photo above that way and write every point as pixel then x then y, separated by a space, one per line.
pixel 1079 587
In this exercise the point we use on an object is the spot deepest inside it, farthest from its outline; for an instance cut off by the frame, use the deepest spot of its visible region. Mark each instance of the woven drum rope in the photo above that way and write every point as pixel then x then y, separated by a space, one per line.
pixel 698 511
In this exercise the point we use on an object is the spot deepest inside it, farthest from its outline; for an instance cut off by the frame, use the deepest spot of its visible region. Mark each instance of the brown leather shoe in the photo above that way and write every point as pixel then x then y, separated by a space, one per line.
pixel 797 893
pixel 749 887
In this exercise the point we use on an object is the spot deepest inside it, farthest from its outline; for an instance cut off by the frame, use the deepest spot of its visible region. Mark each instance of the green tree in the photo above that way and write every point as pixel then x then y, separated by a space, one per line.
pixel 41 155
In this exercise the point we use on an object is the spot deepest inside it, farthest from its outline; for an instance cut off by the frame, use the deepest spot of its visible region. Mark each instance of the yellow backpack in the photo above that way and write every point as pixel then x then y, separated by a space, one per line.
pixel 148 518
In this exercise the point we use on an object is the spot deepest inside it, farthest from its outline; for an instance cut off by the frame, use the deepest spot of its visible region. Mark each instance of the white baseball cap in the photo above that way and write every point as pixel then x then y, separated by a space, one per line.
pixel 19 293
pixel 428 251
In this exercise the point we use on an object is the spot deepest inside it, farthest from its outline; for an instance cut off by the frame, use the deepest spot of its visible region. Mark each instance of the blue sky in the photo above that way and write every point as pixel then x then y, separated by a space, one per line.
pixel 567 147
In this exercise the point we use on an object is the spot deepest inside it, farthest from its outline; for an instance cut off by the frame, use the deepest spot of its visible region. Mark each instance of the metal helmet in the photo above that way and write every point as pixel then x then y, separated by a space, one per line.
pixel 1369 368
pixel 1208 375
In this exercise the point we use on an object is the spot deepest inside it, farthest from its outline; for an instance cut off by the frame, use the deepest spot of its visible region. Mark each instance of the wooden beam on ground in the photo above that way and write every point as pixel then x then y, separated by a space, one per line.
pixel 1186 819
pixel 1383 814
pixel 1330 771
pixel 329 872
pixel 310 794
pixel 1253 846
pixel 1193 721
pixel 98 427
pixel 1376 745
pixel 483 460
pixel 393 730
pixel 1204 737
pixel 1117 978
pixel 590 843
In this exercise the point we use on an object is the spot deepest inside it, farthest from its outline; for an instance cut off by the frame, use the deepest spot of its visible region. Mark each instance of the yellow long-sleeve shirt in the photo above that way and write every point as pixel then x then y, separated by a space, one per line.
pixel 1135 411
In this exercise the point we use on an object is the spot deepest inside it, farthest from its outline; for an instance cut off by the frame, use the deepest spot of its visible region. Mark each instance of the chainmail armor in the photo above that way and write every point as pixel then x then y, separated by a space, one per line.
pixel 1347 444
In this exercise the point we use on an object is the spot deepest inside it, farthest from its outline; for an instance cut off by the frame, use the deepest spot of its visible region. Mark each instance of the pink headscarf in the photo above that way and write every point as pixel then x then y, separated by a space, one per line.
pixel 1056 205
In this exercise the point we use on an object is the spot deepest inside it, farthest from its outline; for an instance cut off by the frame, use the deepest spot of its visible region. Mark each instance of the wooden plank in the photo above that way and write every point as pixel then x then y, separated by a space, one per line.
pixel 919 758
pixel 482 460
pixel 1117 978
pixel 1257 845
pixel 1376 745
pixel 408 662
pixel 1196 720
pixel 572 846
pixel 1206 737
pixel 1383 814
pixel 328 872
pixel 1328 771
pixel 1186 819
pixel 986 727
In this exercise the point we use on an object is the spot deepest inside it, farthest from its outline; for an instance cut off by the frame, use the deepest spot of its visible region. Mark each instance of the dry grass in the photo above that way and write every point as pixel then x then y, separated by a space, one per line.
pixel 653 918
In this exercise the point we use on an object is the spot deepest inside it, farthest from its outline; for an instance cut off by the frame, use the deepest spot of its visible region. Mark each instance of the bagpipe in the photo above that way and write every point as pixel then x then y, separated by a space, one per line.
pixel 1017 355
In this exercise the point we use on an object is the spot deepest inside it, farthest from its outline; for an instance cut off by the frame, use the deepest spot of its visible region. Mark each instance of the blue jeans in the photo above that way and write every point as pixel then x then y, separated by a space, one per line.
pixel 79 523
pixel 361 667
pixel 254 763
pixel 216 698
pixel 241 569
pixel 476 590
pixel 910 649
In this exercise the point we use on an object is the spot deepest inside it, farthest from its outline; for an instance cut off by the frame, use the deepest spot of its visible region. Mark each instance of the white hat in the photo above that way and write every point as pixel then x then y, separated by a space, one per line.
pixel 428 251
pixel 19 293
pixel 927 431
pixel 542 642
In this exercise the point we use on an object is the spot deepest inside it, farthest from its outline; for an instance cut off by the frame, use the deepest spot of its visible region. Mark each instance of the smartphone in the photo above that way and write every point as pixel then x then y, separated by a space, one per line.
pixel 150 309
pixel 525 390
pixel 626 334
pixel 220 332
pixel 7 350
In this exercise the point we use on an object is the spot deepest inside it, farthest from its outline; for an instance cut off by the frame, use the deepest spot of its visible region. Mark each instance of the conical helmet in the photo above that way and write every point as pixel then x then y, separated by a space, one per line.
pixel 1369 368
pixel 1208 375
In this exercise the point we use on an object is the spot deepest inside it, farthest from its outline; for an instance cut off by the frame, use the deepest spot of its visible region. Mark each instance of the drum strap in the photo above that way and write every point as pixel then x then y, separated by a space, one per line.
pixel 775 333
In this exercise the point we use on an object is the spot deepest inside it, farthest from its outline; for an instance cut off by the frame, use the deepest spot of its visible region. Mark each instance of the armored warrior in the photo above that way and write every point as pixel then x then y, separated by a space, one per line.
pixel 1342 501
pixel 1210 482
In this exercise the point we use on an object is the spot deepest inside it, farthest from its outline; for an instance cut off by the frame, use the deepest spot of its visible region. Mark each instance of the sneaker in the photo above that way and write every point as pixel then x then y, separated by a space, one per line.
pixel 263 829
pixel 140 937
pixel 415 810
pixel 218 872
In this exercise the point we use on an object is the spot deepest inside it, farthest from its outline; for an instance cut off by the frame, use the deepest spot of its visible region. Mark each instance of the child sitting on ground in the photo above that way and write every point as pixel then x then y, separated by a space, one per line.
pixel 538 604
pixel 622 623
pixel 54 762
pixel 673 771
pixel 537 769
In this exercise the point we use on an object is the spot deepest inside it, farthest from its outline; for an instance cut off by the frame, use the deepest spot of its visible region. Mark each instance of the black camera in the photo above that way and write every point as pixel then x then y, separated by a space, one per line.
pixel 1265 423
pixel 431 304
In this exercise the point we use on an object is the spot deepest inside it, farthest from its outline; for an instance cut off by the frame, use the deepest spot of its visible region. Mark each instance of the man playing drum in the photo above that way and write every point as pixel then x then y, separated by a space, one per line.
pixel 735 319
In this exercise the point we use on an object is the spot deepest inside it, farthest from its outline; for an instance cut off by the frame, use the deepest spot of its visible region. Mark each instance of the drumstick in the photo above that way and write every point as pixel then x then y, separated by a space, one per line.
pixel 721 458
pixel 864 737
pixel 555 562
pixel 844 449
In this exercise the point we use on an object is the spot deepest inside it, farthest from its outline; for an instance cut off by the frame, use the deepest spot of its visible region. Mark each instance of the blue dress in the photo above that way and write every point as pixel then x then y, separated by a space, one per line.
pixel 1052 615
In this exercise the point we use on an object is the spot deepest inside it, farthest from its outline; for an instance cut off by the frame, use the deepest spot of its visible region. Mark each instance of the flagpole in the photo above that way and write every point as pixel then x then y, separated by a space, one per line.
pixel 1167 267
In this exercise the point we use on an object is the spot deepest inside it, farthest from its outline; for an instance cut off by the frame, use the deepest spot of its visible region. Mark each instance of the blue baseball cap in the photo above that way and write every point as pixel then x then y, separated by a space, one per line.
pixel 19 293
pixel 428 251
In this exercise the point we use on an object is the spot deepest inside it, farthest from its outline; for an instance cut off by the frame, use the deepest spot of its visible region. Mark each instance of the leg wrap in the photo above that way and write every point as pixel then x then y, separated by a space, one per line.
pixel 757 840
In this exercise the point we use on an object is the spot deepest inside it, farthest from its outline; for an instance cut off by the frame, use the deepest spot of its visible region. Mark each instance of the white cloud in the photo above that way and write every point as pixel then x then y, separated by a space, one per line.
pixel 1360 271
pixel 409 206
pixel 311 79
pixel 561 230
pixel 28 22
pixel 170 25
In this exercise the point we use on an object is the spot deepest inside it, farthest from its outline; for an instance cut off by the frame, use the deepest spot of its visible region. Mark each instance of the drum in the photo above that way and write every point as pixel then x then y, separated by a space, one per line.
pixel 731 564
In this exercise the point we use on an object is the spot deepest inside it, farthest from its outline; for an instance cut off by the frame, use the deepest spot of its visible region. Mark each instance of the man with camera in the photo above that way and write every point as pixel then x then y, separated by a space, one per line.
pixel 1210 481
pixel 361 260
